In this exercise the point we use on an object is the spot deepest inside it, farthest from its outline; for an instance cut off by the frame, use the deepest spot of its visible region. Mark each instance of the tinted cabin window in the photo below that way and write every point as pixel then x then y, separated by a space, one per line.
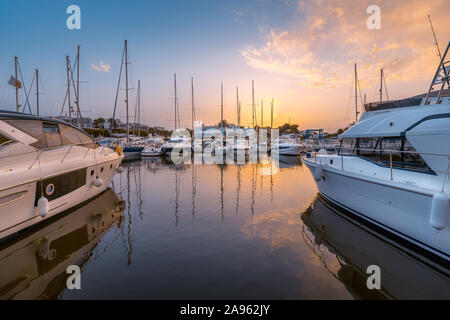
pixel 348 147
pixel 73 136
pixel 52 134
pixel 369 148
pixel 33 128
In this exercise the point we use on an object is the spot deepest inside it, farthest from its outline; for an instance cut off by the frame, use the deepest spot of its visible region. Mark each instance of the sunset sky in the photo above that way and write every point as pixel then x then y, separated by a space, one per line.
pixel 301 53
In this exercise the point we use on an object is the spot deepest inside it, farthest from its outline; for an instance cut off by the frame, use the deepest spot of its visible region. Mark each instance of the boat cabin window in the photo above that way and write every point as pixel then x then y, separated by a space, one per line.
pixel 33 128
pixel 51 134
pixel 347 147
pixel 73 136
pixel 379 150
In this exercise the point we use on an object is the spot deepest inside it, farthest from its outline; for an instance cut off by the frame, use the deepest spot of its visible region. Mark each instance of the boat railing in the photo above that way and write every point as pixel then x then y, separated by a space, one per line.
pixel 391 152
pixel 91 146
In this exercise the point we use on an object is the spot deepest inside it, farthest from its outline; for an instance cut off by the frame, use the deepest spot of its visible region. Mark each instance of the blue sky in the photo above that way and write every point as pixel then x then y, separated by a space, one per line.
pixel 192 38
pixel 299 52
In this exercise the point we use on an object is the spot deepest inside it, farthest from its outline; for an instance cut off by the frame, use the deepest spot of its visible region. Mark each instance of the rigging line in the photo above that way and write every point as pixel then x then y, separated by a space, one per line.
pixel 117 92
pixel 385 87
pixel 74 88
pixel 360 94
pixel 29 90
pixel 24 90
pixel 64 103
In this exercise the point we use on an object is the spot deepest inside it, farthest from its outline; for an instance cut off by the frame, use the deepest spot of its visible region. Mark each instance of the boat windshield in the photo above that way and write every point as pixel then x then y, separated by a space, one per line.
pixel 382 149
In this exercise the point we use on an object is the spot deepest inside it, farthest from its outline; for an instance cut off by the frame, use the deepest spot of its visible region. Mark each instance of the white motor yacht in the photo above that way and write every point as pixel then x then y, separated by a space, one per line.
pixel 47 166
pixel 288 146
pixel 180 144
pixel 153 148
pixel 392 169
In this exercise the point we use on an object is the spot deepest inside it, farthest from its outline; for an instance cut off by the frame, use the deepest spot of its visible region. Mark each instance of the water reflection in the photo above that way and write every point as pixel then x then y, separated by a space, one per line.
pixel 345 249
pixel 207 231
pixel 33 266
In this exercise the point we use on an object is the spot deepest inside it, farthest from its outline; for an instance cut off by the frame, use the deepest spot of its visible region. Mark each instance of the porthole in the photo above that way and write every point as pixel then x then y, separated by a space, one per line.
pixel 92 172
pixel 331 161
pixel 50 189
pixel 101 169
pixel 110 166
pixel 51 254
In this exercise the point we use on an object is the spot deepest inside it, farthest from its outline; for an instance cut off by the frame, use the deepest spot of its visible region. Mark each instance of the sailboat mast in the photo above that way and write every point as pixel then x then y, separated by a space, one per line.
pixel 271 115
pixel 37 91
pixel 126 87
pixel 78 89
pixel 192 104
pixel 253 104
pixel 139 109
pixel 68 87
pixel 356 94
pixel 17 88
pixel 175 98
pixel 262 114
pixel 381 86
pixel 221 107
pixel 238 111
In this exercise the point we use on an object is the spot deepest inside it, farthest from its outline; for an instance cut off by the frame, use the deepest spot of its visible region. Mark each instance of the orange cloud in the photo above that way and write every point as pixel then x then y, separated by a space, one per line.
pixel 327 37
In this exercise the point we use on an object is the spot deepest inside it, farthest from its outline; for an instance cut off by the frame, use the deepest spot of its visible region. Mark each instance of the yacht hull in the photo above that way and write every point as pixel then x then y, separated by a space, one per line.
pixel 398 210
pixel 293 150
pixel 18 204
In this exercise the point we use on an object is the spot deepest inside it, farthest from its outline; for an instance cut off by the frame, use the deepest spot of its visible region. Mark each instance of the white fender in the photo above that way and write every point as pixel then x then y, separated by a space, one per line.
pixel 322 152
pixel 440 210
pixel 42 206
pixel 98 182
pixel 318 173
pixel 119 169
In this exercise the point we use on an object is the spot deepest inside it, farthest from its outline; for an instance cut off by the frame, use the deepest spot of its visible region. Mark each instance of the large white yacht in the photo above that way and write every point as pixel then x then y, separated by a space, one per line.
pixel 392 168
pixel 47 166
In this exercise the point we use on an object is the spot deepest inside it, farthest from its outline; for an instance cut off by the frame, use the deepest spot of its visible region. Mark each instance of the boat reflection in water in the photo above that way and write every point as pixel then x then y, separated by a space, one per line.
pixel 347 248
pixel 33 266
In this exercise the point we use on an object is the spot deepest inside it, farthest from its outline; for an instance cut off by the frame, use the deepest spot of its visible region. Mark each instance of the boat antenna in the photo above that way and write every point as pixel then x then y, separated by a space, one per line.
pixel 434 36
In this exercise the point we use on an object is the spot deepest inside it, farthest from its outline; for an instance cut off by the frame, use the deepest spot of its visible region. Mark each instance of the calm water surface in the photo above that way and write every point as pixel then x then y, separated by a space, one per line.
pixel 211 232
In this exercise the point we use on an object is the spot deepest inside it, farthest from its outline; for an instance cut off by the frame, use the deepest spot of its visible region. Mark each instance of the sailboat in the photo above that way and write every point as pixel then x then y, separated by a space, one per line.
pixel 131 146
